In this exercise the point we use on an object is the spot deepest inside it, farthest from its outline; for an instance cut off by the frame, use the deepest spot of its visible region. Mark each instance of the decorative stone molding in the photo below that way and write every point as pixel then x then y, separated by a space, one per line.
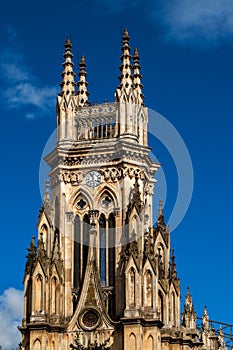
pixel 118 173
pixel 69 216
pixel 149 188
pixel 93 215
pixel 69 177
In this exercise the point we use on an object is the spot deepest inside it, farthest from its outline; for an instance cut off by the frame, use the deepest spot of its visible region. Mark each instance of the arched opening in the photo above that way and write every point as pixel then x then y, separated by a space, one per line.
pixel 132 342
pixel 111 262
pixel 102 250
pixel 160 306
pixel 77 252
pixel 132 285
pixel 37 345
pixel 54 299
pixel 150 343
pixel 44 231
pixel 111 249
pixel 173 309
pixel 38 294
pixel 148 289
pixel 85 241
pixel 29 300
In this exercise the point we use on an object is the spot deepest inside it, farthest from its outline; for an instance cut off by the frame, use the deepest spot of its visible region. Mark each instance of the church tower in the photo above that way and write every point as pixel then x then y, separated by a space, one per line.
pixel 100 272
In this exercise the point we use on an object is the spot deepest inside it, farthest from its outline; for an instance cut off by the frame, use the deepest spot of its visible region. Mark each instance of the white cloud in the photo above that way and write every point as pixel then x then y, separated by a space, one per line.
pixel 192 21
pixel 21 87
pixel 11 314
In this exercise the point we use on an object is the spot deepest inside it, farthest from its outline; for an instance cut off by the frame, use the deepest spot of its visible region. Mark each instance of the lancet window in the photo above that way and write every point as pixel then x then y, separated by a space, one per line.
pixel 148 289
pixel 54 295
pixel 160 306
pixel 81 245
pixel 107 250
pixel 38 293
pixel 132 282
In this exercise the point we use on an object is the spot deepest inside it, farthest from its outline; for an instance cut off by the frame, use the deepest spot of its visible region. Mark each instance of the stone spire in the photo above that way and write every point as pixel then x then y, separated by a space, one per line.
pixel 137 77
pixel 208 335
pixel 173 266
pixel 68 83
pixel 82 84
pixel 189 315
pixel 161 221
pixel 31 257
pixel 126 82
pixel 205 319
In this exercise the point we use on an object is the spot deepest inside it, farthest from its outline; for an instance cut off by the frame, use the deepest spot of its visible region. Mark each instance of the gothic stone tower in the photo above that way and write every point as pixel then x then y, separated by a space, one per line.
pixel 100 271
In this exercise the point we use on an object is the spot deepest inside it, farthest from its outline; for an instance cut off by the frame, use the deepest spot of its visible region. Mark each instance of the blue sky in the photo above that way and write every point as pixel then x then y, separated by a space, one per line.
pixel 186 50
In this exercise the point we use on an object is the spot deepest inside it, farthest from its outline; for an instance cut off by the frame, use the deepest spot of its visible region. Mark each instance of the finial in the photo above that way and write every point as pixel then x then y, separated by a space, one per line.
pixel 160 207
pixel 68 84
pixel 161 226
pixel 126 36
pixel 82 83
pixel 126 83
pixel 173 265
pixel 137 77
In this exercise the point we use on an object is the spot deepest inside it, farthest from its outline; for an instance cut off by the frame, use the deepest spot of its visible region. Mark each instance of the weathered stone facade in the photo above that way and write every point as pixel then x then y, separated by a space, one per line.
pixel 100 270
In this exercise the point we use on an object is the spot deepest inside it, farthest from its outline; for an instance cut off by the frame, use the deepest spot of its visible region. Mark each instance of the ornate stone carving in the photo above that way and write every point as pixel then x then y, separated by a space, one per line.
pixel 69 216
pixel 117 173
pixel 69 177
pixel 93 215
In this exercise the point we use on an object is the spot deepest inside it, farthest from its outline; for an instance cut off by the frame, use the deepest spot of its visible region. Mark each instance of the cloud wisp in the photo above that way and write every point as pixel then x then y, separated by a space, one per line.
pixel 11 313
pixel 22 89
pixel 188 22
pixel 196 21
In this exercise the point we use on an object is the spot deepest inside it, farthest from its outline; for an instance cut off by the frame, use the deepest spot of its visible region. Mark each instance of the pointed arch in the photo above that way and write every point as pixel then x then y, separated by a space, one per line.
pixel 173 302
pixel 54 295
pixel 38 293
pixel 132 287
pixel 132 342
pixel 44 232
pixel 106 191
pixel 148 297
pixel 161 306
pixel 81 194
pixel 150 343
pixel 37 345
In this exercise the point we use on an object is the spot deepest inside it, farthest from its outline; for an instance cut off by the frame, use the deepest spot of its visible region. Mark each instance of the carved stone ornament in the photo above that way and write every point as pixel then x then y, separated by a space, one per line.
pixel 69 216
pixel 89 319
pixel 117 173
pixel 69 177
pixel 93 215
pixel 149 189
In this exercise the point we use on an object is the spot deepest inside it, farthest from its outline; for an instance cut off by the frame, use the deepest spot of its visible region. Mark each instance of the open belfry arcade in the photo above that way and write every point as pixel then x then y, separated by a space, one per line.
pixel 100 275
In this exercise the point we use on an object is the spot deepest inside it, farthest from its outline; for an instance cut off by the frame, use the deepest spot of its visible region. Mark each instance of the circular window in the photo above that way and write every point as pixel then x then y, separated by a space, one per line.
pixel 106 202
pixel 81 204
pixel 90 319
